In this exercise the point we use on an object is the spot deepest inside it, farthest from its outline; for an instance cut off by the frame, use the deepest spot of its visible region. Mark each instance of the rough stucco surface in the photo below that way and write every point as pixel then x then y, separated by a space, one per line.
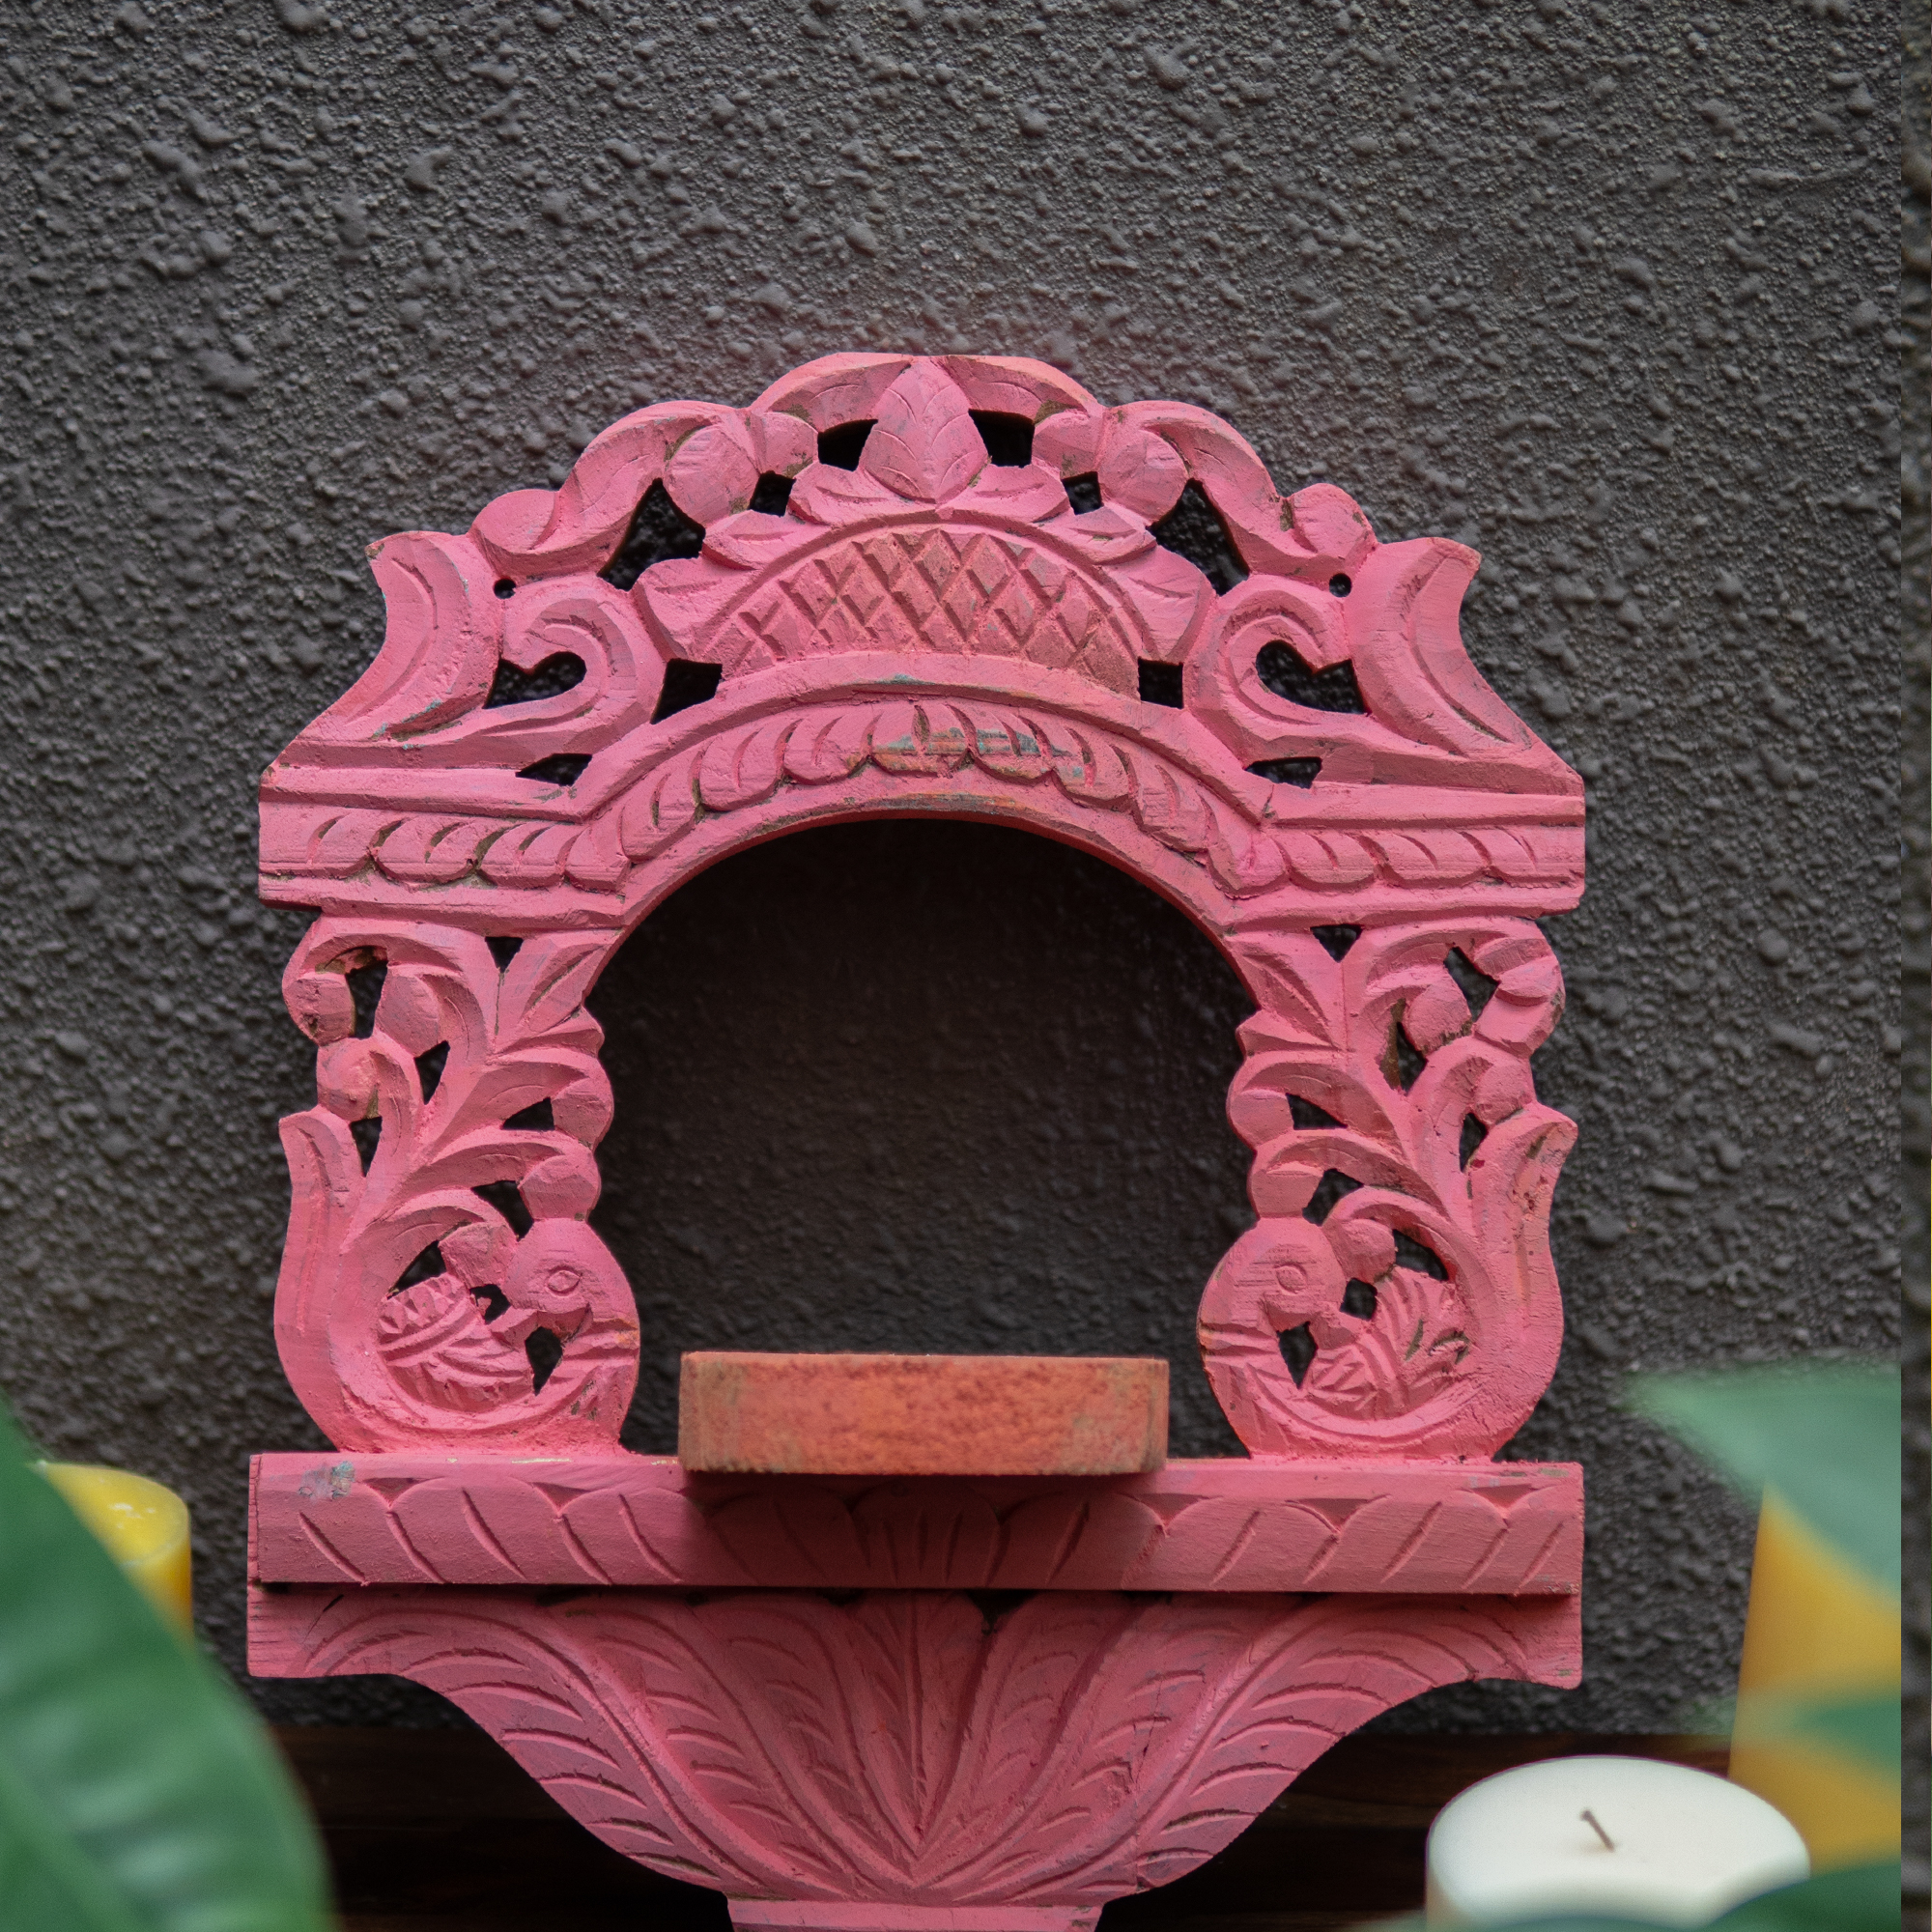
pixel 1610 292
pixel 1915 391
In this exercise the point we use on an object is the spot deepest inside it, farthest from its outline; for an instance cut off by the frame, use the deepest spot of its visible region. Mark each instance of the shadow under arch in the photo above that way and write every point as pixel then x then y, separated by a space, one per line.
pixel 921 1085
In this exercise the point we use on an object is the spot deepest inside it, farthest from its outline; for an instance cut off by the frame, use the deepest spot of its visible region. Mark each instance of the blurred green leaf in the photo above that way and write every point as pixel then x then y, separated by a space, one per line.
pixel 138 1793
pixel 1860 1898
pixel 1866 1729
pixel 1825 1436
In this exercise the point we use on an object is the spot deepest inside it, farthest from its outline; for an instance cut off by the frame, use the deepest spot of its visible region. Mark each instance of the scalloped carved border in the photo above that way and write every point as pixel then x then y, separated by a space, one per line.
pixel 1054 760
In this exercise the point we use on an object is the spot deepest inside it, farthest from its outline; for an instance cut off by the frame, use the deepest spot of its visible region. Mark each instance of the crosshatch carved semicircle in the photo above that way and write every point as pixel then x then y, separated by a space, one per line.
pixel 872 591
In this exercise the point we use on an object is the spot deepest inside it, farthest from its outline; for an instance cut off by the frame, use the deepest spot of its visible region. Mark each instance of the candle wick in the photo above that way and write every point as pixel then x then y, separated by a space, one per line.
pixel 1590 1819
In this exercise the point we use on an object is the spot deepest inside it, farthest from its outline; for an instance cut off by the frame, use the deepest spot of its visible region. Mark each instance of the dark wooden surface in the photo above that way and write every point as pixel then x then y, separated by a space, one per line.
pixel 440 1831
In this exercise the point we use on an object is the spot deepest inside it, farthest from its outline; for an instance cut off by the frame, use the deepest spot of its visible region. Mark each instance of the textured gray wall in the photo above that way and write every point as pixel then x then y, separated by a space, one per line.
pixel 1915 471
pixel 1607 291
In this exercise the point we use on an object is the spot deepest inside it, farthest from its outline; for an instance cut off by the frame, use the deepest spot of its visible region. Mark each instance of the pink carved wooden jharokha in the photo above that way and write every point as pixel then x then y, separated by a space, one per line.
pixel 785 1686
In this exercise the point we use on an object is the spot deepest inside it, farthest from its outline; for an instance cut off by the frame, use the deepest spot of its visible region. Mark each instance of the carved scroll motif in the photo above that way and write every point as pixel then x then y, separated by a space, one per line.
pixel 1403 1173
pixel 426 1253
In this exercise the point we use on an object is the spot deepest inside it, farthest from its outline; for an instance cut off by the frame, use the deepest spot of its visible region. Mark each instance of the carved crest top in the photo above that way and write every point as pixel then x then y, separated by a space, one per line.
pixel 960 574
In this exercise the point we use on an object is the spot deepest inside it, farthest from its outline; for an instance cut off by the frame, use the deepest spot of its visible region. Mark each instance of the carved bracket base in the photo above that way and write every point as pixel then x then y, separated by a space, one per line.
pixel 984 1762
pixel 767 1915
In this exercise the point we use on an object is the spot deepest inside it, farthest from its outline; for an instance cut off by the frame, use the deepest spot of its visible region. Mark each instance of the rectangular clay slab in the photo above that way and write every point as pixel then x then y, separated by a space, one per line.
pixel 921 1416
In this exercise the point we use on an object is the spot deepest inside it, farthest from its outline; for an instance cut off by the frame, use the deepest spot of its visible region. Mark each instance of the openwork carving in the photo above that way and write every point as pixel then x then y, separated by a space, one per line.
pixel 516 1102
pixel 546 745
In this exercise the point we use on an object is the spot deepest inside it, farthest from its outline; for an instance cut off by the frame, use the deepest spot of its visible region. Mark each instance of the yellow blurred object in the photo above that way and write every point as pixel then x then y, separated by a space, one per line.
pixel 142 1525
pixel 1816 1626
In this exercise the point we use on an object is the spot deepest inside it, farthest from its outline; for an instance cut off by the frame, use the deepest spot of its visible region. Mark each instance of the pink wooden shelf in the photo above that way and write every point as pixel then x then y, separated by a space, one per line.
pixel 1460 1529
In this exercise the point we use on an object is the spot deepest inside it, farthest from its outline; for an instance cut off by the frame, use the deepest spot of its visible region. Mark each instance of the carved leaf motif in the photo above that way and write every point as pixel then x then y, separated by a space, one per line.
pixel 904 1748
pixel 378 1370
pixel 434 849
pixel 1246 863
pixel 824 748
pixel 598 861
pixel 1301 1002
pixel 1328 861
pixel 742 769
pixel 923 445
pixel 529 857
pixel 658 812
pixel 914 1542
pixel 435 1344
pixel 1009 748
pixel 1453 1364
pixel 1091 768
pixel 1403 1357
pixel 713 473
pixel 439 646
pixel 1174 813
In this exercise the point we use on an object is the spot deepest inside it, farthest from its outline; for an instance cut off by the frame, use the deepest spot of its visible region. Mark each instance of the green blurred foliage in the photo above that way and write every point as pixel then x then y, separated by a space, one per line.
pixel 1860 1898
pixel 138 1792
pixel 1870 1730
pixel 1823 1436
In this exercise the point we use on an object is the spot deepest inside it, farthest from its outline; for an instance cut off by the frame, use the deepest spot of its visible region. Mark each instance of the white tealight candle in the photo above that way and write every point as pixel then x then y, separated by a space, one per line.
pixel 1626 1837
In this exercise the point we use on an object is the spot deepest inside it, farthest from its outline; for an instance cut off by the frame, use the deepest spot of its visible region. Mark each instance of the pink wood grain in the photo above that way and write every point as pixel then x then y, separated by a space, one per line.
pixel 914 1749
pixel 1455 1529
pixel 927 633
pixel 921 1416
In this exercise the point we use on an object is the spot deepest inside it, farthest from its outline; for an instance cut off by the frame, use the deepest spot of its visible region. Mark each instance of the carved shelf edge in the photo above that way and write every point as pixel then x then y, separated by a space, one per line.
pixel 1382 1527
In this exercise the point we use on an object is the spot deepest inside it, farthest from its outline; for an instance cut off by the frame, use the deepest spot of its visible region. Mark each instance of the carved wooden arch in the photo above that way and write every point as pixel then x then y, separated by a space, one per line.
pixel 926 631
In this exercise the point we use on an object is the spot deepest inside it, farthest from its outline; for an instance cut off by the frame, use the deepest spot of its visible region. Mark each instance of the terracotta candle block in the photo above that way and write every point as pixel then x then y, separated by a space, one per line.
pixel 921 1416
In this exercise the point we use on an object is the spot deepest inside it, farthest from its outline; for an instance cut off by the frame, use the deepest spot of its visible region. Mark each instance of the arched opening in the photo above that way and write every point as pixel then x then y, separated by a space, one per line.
pixel 921 1085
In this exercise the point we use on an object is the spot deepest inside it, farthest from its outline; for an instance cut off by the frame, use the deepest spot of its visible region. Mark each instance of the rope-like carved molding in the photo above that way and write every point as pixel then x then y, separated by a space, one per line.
pixel 1227 827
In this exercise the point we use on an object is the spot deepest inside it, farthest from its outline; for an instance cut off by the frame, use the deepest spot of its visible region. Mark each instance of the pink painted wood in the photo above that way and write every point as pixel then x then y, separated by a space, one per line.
pixel 925 633
pixel 1380 1528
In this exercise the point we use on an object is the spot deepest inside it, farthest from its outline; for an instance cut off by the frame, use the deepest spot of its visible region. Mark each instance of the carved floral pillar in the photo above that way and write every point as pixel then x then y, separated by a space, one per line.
pixel 883 619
